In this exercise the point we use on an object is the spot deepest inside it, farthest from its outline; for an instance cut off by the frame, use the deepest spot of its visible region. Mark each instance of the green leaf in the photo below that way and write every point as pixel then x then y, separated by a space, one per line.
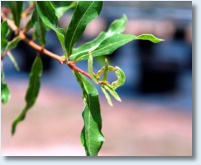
pixel 12 44
pixel 116 27
pixel 149 37
pixel 5 92
pixel 5 30
pixel 105 73
pixel 47 13
pixel 13 60
pixel 29 25
pixel 39 27
pixel 112 92
pixel 107 96
pixel 62 6
pixel 121 78
pixel 106 47
pixel 91 136
pixel 16 8
pixel 90 68
pixel 32 90
pixel 84 13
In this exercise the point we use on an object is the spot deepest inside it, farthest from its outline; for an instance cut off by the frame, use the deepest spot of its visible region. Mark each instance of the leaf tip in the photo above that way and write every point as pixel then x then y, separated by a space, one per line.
pixel 118 99
pixel 110 104
pixel 13 128
pixel 161 40
pixel 149 37
pixel 124 16
pixel 101 138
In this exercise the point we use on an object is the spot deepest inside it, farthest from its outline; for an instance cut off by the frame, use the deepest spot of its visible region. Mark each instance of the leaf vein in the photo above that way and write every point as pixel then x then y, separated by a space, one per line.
pixel 78 26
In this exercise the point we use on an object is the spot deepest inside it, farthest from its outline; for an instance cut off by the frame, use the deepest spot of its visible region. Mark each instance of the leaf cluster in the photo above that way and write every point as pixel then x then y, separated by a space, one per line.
pixel 45 16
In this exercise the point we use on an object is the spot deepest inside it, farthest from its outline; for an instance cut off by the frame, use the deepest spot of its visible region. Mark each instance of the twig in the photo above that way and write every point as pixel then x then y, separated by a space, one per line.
pixel 61 60
pixel 41 49
pixel 74 67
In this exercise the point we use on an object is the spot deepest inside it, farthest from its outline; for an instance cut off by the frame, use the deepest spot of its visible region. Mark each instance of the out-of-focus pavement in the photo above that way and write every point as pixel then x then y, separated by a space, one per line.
pixel 131 128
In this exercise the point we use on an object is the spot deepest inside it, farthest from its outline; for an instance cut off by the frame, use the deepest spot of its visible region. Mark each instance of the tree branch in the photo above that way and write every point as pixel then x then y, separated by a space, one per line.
pixel 41 49
pixel 61 60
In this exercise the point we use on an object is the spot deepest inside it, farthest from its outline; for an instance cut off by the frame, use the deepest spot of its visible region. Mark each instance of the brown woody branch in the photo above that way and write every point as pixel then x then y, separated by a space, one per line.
pixel 41 49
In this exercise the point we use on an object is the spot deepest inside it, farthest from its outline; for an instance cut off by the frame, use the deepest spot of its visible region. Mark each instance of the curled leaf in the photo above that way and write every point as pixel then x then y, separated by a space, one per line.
pixel 121 78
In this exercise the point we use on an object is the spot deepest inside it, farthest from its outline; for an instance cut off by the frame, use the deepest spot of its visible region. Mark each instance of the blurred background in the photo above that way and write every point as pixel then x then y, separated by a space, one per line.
pixel 155 115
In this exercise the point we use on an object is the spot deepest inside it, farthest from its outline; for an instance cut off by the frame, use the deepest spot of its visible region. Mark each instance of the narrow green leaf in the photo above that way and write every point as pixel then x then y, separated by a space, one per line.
pixel 90 68
pixel 91 136
pixel 5 92
pixel 29 24
pixel 116 27
pixel 112 92
pixel 62 6
pixel 32 90
pixel 149 37
pixel 12 44
pixel 39 27
pixel 13 60
pixel 105 73
pixel 5 30
pixel 121 78
pixel 60 32
pixel 16 8
pixel 84 13
pixel 106 47
pixel 47 13
pixel 107 96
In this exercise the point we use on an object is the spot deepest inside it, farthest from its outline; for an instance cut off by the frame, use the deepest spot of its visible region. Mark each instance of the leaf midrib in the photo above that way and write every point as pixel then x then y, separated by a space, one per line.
pixel 96 50
pixel 88 124
pixel 77 27
pixel 36 78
